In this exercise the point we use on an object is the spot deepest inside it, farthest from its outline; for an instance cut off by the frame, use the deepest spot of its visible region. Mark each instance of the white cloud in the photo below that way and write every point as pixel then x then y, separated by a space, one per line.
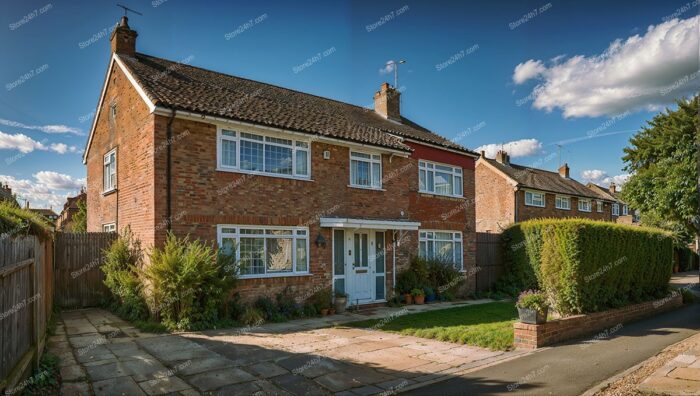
pixel 48 189
pixel 388 68
pixel 528 70
pixel 639 72
pixel 600 177
pixel 43 128
pixel 20 142
pixel 63 148
pixel 517 148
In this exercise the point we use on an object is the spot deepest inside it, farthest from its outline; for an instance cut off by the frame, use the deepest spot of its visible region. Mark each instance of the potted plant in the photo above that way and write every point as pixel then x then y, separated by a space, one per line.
pixel 429 294
pixel 341 301
pixel 418 296
pixel 532 307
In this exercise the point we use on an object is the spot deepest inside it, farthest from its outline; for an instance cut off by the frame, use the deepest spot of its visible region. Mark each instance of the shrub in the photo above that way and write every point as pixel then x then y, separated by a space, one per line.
pixel 15 221
pixel 252 317
pixel 286 304
pixel 532 299
pixel 442 275
pixel 687 259
pixel 189 283
pixel 235 307
pixel 417 292
pixel 123 259
pixel 586 266
pixel 266 306
pixel 322 299
pixel 406 281
pixel 688 296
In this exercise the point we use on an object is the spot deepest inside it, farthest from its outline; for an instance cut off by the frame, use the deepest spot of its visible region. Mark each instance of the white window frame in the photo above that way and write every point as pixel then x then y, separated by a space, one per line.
pixel 599 206
pixel 616 209
pixel 581 208
pixel 429 167
pixel 298 233
pixel 298 145
pixel 532 195
pixel 374 159
pixel 625 210
pixel 560 199
pixel 107 161
pixel 428 237
pixel 109 227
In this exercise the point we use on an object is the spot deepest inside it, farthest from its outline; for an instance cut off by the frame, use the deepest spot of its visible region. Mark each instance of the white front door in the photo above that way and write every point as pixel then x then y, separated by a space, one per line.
pixel 360 266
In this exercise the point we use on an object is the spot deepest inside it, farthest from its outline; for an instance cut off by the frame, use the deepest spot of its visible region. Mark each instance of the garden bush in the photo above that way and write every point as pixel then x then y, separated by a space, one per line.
pixel 436 274
pixel 688 260
pixel 15 221
pixel 123 260
pixel 189 283
pixel 586 266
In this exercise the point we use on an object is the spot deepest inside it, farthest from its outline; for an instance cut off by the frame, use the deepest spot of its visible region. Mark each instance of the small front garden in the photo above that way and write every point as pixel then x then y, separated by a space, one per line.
pixel 487 325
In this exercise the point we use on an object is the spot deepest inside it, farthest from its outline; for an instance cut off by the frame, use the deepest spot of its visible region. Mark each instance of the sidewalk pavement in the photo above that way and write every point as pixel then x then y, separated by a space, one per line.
pixel 680 376
pixel 104 355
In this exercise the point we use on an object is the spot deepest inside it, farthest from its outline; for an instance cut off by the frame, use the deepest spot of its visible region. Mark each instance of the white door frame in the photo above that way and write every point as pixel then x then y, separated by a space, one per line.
pixel 350 280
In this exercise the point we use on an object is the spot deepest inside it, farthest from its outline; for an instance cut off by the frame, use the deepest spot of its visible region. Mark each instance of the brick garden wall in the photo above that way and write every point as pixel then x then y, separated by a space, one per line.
pixel 530 336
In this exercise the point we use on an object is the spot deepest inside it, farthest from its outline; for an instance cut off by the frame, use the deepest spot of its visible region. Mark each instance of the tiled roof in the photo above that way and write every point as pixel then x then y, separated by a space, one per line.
pixel 188 88
pixel 44 212
pixel 539 179
pixel 606 192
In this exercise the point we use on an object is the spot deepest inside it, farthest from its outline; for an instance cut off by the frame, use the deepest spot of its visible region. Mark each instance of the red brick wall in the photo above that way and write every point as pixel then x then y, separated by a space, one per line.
pixel 131 133
pixel 530 336
pixel 525 212
pixel 495 200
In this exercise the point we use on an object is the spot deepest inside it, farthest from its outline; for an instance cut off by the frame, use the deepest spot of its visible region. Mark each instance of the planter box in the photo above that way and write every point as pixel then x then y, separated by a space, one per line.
pixel 532 316
pixel 532 336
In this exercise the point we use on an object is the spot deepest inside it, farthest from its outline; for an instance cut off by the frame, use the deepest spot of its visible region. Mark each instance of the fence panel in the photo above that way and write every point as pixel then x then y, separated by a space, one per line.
pixel 489 260
pixel 78 274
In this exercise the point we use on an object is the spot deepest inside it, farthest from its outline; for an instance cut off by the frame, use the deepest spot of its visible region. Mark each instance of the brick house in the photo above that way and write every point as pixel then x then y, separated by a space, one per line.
pixel 621 212
pixel 65 221
pixel 508 193
pixel 313 192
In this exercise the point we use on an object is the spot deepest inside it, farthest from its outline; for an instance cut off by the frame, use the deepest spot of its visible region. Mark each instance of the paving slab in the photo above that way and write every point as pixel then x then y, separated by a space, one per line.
pixel 266 370
pixel 163 386
pixel 75 389
pixel 211 380
pixel 298 385
pixel 117 386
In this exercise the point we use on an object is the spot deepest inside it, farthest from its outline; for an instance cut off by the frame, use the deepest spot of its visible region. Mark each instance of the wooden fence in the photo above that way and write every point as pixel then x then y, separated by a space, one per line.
pixel 26 301
pixel 78 276
pixel 489 260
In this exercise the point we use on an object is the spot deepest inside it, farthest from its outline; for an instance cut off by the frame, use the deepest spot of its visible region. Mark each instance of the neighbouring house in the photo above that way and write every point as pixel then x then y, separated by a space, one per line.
pixel 508 193
pixel 621 212
pixel 65 222
pixel 311 192
pixel 6 194
pixel 49 214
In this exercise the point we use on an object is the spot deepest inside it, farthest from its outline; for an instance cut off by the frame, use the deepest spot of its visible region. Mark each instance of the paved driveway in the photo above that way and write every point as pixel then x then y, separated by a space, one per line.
pixel 103 355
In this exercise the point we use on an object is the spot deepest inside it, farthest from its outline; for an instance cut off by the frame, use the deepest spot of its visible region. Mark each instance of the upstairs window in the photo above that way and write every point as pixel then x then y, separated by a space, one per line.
pixel 584 205
pixel 439 179
pixel 260 154
pixel 533 198
pixel 616 209
pixel 625 210
pixel 110 171
pixel 365 170
pixel 599 206
pixel 563 202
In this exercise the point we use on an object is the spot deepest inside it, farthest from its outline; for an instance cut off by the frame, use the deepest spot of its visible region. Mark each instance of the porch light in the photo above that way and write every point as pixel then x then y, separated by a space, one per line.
pixel 320 241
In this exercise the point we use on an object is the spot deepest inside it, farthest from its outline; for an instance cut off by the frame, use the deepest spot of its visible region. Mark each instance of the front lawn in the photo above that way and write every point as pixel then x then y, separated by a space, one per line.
pixel 486 325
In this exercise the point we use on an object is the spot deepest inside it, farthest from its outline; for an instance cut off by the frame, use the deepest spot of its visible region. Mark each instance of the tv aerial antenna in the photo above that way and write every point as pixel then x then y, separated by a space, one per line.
pixel 127 10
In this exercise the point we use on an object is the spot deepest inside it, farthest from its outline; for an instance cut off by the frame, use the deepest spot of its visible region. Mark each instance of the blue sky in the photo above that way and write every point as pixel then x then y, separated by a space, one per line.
pixel 533 72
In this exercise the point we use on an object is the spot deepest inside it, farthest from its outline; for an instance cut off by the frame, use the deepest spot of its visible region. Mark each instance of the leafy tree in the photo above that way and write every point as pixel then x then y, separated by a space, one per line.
pixel 80 217
pixel 663 161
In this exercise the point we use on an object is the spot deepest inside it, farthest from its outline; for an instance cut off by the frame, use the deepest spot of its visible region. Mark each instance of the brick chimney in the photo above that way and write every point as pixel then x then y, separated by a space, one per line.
pixel 387 102
pixel 612 188
pixel 564 171
pixel 502 157
pixel 123 39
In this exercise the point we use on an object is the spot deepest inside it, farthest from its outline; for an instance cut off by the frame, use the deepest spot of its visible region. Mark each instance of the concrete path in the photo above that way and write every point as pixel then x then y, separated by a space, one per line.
pixel 572 368
pixel 680 376
pixel 103 355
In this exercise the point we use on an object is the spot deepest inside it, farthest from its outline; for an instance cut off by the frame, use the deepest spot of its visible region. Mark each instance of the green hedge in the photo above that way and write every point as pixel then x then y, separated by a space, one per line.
pixel 687 259
pixel 587 266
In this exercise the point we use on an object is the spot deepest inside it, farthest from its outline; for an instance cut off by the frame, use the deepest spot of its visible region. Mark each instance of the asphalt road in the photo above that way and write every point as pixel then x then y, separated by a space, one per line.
pixel 573 368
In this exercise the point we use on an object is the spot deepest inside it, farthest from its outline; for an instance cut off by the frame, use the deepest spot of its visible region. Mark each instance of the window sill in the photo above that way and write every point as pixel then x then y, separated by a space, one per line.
pixel 535 206
pixel 430 194
pixel 219 169
pixel 563 209
pixel 366 188
pixel 109 192
pixel 285 275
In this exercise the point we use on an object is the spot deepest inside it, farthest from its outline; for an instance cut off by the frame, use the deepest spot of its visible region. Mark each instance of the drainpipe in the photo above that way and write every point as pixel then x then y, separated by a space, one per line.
pixel 168 171
pixel 515 194
pixel 393 268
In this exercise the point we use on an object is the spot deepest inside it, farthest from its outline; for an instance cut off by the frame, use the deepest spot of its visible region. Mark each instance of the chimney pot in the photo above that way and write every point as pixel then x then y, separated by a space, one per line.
pixel 564 171
pixel 387 102
pixel 502 157
pixel 483 154
pixel 612 188
pixel 123 39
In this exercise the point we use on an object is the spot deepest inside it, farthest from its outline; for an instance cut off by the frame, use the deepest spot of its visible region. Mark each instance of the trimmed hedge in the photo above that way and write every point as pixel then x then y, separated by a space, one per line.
pixel 587 266
pixel 16 221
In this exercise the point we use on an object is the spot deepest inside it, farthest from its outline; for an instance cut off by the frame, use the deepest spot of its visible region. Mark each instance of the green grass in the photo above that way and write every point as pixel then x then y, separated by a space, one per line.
pixel 485 325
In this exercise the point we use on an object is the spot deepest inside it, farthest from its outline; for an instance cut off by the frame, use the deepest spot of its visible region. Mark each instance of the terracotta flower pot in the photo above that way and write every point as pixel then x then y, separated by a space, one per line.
pixel 324 311
pixel 331 311
pixel 409 298
pixel 420 300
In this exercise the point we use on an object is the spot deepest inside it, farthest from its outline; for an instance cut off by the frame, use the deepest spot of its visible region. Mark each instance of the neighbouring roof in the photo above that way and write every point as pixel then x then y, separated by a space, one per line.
pixel 605 191
pixel 543 180
pixel 44 212
pixel 188 88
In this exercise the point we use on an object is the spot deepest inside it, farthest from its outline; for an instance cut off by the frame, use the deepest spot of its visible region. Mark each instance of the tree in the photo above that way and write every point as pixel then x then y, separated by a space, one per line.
pixel 80 217
pixel 663 161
